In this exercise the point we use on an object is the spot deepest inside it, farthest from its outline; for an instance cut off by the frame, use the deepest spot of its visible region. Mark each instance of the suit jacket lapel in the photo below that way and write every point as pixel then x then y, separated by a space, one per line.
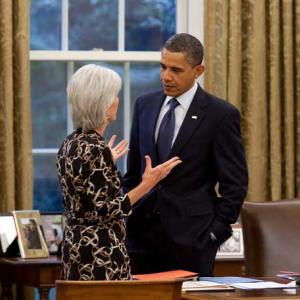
pixel 192 120
pixel 150 123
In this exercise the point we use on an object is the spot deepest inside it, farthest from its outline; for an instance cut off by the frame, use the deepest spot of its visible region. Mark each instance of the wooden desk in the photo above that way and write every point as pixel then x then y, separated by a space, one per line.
pixel 40 273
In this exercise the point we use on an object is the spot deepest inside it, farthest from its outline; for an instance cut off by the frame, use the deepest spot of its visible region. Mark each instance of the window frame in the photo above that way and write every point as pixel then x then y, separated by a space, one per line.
pixel 189 18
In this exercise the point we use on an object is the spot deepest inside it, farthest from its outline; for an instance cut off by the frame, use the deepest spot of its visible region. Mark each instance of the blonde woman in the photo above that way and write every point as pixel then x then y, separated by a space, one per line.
pixel 95 208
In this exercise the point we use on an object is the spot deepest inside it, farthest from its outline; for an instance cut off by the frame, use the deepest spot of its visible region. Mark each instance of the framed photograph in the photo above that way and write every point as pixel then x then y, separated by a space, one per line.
pixel 30 238
pixel 234 246
pixel 7 231
pixel 52 225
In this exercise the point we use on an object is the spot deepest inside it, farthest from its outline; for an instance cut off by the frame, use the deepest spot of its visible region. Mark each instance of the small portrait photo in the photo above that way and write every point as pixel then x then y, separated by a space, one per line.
pixel 234 246
pixel 30 238
pixel 31 234
pixel 52 225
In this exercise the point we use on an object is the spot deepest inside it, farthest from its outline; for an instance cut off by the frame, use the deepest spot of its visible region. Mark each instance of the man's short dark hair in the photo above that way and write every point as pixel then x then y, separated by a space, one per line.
pixel 187 44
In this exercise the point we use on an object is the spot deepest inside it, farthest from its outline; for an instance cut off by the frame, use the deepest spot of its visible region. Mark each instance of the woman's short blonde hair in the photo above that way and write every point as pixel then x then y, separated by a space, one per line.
pixel 91 91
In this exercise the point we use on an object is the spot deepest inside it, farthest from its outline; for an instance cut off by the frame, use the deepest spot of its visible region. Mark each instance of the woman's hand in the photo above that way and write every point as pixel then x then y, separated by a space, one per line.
pixel 152 176
pixel 119 150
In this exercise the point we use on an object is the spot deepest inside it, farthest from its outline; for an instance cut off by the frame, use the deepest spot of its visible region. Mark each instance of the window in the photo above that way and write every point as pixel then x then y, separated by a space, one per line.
pixel 123 35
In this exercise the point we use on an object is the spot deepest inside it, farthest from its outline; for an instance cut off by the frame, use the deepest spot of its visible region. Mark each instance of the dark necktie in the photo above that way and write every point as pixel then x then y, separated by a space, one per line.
pixel 166 132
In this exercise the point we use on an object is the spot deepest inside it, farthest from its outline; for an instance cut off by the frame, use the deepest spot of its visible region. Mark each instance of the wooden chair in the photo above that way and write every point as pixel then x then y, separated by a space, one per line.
pixel 271 237
pixel 118 290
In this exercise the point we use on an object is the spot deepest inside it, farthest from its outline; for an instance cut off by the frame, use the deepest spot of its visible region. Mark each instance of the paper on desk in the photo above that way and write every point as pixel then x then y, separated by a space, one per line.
pixel 263 285
pixel 204 286
pixel 229 279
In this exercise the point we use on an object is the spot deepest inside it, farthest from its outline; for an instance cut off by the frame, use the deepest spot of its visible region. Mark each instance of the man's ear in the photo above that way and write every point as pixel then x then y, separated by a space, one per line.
pixel 199 69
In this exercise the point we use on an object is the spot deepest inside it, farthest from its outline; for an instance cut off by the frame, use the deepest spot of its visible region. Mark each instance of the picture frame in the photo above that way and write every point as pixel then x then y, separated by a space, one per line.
pixel 30 238
pixel 8 231
pixel 53 227
pixel 234 246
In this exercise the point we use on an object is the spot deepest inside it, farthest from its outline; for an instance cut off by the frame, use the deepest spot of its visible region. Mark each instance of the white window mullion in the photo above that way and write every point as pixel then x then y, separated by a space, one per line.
pixel 112 56
pixel 127 111
pixel 181 16
pixel 196 18
pixel 65 25
pixel 70 72
pixel 126 89
pixel 121 26
pixel 196 24
pixel 44 150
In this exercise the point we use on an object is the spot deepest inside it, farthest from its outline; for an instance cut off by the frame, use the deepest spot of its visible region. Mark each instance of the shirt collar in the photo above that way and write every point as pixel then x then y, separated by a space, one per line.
pixel 186 98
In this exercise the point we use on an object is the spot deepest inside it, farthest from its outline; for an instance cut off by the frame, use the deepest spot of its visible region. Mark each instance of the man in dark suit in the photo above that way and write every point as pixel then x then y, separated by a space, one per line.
pixel 182 222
